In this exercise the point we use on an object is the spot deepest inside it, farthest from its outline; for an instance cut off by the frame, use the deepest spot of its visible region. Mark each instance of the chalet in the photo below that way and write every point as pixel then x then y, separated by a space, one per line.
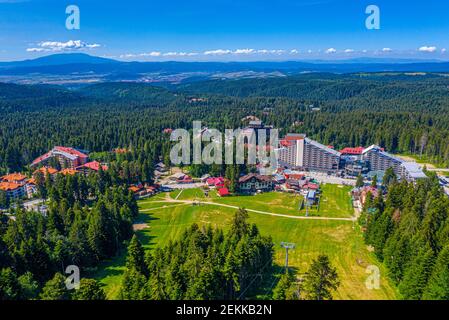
pixel 255 183
pixel 141 191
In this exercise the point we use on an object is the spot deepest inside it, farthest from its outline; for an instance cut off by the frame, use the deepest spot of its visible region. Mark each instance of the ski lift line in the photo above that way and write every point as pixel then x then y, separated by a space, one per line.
pixel 254 279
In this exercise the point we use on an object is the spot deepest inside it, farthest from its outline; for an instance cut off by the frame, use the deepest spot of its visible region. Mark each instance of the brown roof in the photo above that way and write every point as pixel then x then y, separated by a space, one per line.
pixel 254 175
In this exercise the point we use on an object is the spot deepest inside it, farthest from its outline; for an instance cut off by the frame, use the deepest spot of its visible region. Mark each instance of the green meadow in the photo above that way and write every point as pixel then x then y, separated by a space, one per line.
pixel 342 241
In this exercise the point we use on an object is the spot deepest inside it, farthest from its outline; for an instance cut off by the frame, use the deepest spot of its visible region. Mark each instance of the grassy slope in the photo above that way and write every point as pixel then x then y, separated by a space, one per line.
pixel 338 239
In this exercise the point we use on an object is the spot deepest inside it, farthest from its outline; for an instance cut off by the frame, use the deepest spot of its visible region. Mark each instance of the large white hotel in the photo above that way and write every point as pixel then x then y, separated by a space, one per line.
pixel 299 152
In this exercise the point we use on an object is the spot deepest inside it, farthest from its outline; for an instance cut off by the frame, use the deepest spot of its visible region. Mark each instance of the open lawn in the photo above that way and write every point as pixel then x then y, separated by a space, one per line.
pixel 341 240
pixel 335 201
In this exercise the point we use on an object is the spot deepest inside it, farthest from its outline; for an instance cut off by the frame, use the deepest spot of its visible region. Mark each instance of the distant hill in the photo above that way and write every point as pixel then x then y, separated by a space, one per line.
pixel 81 68
pixel 57 59
pixel 135 92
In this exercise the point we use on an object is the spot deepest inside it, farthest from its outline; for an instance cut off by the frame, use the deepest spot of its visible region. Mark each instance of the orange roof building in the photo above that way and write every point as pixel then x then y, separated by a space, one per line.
pixel 14 178
pixel 44 170
pixel 68 172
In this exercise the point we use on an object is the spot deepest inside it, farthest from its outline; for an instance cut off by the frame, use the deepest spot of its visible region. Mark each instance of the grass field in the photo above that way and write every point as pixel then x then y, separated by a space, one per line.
pixel 341 240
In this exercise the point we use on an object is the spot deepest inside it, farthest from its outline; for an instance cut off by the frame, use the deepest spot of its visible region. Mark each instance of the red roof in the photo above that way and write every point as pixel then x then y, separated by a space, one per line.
pixel 312 186
pixel 215 181
pixel 94 165
pixel 72 151
pixel 354 151
pixel 294 176
pixel 285 143
pixel 223 192
pixel 294 137
pixel 68 150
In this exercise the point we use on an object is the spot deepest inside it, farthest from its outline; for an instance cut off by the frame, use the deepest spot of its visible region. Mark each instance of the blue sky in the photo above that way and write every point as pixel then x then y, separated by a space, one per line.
pixel 225 30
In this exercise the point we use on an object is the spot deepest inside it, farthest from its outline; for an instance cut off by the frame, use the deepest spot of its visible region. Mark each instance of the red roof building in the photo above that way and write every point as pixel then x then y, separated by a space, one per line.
pixel 14 178
pixel 67 157
pixel 223 192
pixel 91 166
pixel 216 182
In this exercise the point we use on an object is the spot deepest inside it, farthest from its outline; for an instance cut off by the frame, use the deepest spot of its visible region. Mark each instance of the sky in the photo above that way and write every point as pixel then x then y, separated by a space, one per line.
pixel 225 30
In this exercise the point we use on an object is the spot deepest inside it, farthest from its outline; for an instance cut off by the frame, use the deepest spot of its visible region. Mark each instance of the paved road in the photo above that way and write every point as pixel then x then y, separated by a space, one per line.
pixel 254 211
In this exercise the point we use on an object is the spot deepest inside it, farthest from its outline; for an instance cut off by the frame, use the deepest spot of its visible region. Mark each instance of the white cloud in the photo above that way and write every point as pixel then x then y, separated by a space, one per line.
pixel 387 50
pixel 154 54
pixel 331 50
pixel 294 51
pixel 349 50
pixel 443 50
pixel 427 49
pixel 180 54
pixel 54 46
pixel 218 52
pixel 244 51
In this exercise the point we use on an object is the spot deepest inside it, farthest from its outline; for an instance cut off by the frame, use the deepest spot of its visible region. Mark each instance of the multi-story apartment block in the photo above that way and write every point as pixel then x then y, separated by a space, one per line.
pixel 298 151
pixel 14 185
pixel 66 157
pixel 380 160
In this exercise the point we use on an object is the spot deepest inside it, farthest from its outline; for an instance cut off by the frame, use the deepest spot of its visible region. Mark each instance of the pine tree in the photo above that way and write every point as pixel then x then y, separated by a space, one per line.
pixel 416 277
pixel 286 289
pixel 136 256
pixel 29 287
pixel 320 280
pixel 55 289
pixel 438 285
pixel 89 289
pixel 9 285
pixel 360 181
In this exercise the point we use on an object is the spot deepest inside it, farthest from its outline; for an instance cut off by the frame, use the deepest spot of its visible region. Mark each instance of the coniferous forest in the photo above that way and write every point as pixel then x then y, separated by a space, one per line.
pixel 90 217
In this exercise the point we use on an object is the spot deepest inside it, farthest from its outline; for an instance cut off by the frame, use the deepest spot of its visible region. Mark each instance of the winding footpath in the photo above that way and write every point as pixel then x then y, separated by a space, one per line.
pixel 184 202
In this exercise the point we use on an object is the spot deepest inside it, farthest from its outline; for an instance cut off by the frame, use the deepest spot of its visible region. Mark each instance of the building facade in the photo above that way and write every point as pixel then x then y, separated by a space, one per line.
pixel 299 152
pixel 379 160
pixel 65 156
pixel 252 183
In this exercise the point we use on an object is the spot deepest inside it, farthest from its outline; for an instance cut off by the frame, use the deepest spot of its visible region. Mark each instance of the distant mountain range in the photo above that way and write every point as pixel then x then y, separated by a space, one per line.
pixel 79 69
